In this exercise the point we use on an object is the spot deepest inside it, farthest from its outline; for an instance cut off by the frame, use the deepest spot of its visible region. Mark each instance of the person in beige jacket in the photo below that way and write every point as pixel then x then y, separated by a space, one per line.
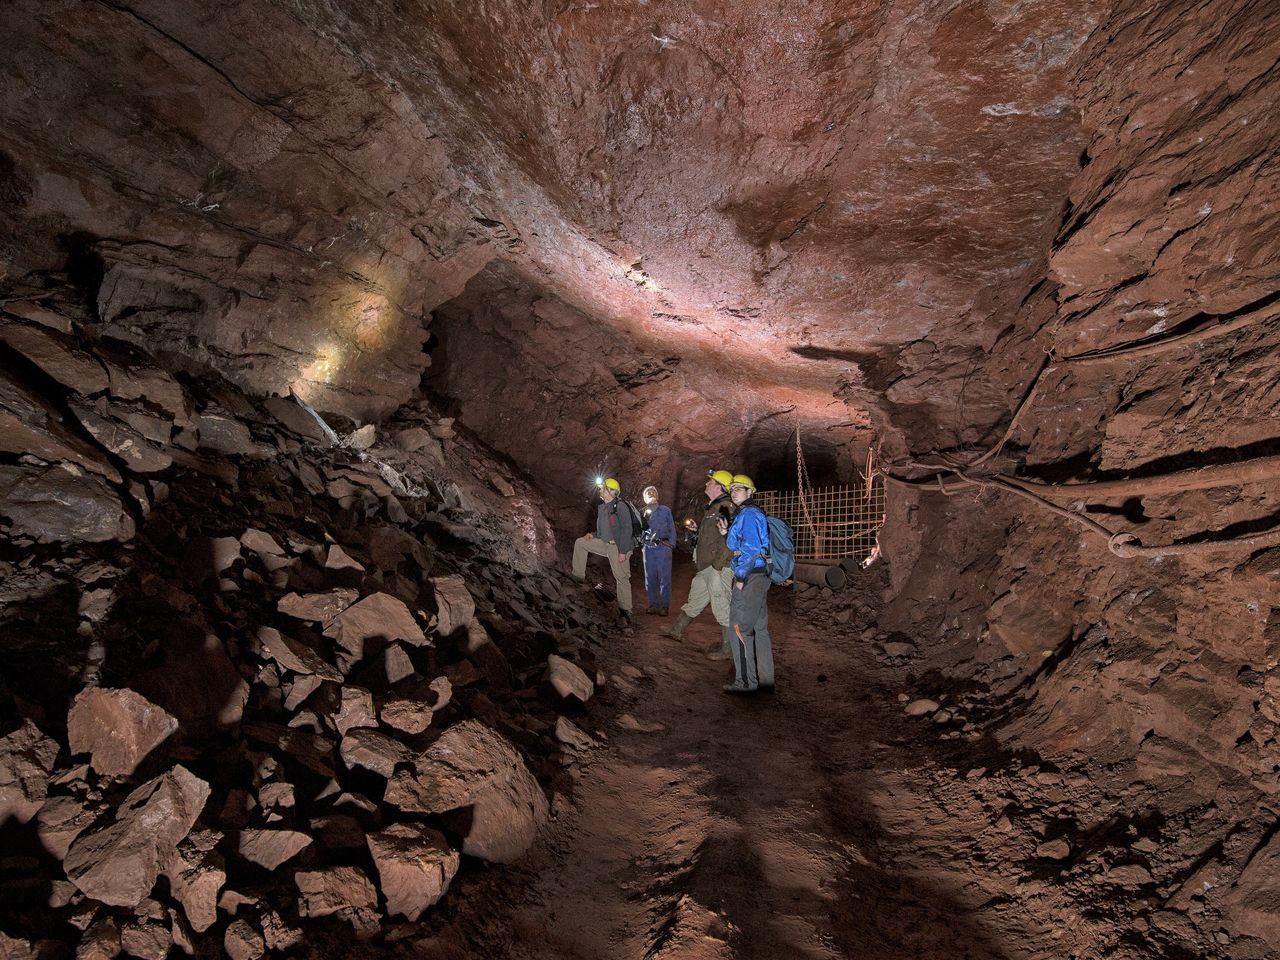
pixel 711 558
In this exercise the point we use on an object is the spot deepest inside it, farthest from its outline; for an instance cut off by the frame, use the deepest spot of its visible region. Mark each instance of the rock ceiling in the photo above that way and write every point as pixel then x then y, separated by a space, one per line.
pixel 784 195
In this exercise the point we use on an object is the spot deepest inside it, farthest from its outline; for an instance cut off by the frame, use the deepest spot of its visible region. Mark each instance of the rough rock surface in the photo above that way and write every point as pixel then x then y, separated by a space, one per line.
pixel 119 862
pixel 415 865
pixel 117 728
pixel 470 765
pixel 26 760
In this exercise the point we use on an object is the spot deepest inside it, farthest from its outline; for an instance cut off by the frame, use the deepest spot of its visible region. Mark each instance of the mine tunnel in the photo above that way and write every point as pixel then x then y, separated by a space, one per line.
pixel 339 339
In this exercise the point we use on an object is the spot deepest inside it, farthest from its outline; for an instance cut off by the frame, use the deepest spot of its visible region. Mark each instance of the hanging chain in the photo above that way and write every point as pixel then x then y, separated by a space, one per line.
pixel 802 484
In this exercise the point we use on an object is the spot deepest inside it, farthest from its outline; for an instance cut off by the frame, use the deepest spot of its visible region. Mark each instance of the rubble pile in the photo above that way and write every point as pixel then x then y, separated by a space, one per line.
pixel 263 670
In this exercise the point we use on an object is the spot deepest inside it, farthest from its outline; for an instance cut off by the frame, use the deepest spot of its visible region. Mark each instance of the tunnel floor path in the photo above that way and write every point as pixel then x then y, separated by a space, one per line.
pixel 802 824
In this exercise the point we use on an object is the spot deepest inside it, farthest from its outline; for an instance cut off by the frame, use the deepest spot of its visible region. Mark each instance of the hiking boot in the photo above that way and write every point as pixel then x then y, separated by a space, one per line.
pixel 677 629
pixel 718 654
pixel 738 688
pixel 660 612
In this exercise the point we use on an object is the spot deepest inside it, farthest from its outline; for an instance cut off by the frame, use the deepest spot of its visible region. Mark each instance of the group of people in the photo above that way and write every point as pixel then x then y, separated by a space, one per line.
pixel 731 561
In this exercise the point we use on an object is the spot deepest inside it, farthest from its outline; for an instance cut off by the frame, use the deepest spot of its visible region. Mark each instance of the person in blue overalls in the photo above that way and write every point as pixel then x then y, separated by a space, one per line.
pixel 659 541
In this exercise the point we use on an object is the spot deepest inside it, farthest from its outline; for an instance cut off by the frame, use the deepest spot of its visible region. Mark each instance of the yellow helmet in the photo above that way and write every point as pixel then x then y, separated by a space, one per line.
pixel 722 477
pixel 742 480
pixel 613 485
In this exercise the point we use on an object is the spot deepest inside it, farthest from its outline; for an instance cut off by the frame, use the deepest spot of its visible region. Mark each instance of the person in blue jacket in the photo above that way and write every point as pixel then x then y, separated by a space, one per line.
pixel 748 538
pixel 659 541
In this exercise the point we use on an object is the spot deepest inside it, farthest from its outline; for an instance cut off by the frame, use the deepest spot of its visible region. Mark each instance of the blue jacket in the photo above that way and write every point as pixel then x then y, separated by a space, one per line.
pixel 662 526
pixel 748 538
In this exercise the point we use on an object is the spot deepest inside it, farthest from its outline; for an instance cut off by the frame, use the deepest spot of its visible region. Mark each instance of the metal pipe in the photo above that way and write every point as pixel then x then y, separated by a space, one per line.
pixel 820 575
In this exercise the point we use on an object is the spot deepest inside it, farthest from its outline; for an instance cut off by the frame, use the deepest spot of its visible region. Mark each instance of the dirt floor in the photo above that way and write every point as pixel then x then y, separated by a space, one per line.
pixel 803 823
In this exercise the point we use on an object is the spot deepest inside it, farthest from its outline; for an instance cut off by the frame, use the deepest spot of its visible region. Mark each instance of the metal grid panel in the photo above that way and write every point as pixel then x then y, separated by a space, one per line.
pixel 845 520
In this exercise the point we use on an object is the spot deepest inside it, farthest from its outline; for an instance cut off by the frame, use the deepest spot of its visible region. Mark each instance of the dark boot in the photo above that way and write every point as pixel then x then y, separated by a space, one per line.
pixel 677 629
pixel 724 650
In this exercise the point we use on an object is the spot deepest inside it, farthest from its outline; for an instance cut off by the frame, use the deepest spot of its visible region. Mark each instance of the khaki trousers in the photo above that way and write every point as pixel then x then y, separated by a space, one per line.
pixel 604 548
pixel 710 586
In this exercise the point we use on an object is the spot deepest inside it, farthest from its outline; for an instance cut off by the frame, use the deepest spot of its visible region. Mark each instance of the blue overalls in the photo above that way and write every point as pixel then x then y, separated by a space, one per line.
pixel 659 539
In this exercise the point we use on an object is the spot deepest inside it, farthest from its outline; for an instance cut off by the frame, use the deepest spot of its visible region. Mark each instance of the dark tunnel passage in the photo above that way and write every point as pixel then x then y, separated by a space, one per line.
pixel 323 325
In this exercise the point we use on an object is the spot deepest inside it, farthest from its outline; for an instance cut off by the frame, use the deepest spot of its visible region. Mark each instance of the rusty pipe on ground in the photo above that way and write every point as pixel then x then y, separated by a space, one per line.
pixel 820 574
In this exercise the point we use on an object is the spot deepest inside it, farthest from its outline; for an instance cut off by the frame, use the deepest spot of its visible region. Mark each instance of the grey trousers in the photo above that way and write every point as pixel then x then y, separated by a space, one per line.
pixel 749 620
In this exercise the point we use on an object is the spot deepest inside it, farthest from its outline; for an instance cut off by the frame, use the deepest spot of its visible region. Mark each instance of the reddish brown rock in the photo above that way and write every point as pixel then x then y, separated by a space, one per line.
pixel 101 941
pixel 373 751
pixel 61 820
pixel 293 655
pixel 196 874
pixel 226 435
pixel 356 710
pixel 332 890
pixel 297 692
pixel 12 948
pixel 261 543
pixel 279 935
pixel 415 865
pixel 317 607
pixel 60 503
pixel 242 941
pixel 407 716
pixel 57 357
pixel 568 680
pixel 117 728
pixel 1252 902
pixel 118 863
pixel 339 559
pixel 147 941
pixel 454 605
pixel 378 616
pixel 140 454
pixel 470 765
pixel 270 848
pixel 26 761
pixel 396 665
pixel 293 416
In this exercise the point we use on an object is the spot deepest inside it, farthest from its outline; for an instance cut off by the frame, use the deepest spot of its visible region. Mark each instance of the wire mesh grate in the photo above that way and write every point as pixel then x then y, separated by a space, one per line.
pixel 845 520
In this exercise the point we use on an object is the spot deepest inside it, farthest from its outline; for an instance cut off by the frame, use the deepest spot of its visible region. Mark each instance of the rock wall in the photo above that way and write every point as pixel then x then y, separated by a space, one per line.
pixel 1154 674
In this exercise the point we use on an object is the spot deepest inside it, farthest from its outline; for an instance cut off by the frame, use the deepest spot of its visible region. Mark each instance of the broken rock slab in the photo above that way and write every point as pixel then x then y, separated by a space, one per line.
pixel 317 607
pixel 146 940
pixel 294 655
pixel 568 679
pixel 406 716
pixel 196 874
pixel 118 863
pixel 26 761
pixel 454 604
pixel 355 711
pixel 373 751
pixel 379 615
pixel 117 728
pixel 242 941
pixel 322 893
pixel 270 848
pixel 415 865
pixel 300 421
pixel 471 765
pixel 62 504
pixel 571 735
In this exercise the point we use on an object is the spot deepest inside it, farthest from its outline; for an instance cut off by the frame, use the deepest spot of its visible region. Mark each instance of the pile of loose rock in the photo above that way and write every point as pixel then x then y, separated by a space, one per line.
pixel 261 669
